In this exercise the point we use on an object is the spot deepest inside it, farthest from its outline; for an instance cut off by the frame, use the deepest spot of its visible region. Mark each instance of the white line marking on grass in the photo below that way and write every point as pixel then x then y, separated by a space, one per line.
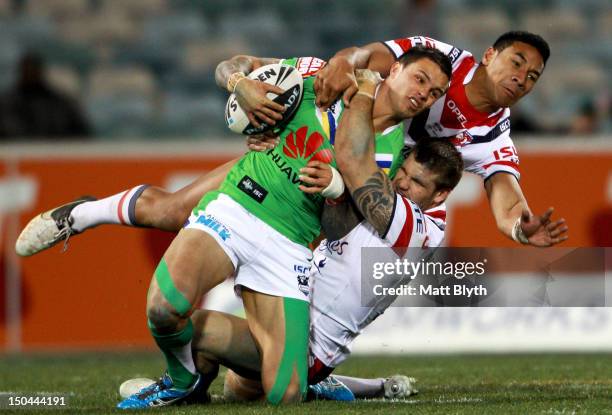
pixel 418 401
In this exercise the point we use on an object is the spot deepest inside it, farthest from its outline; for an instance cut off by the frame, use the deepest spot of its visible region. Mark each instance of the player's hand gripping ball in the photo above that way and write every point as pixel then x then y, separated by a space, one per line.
pixel 283 76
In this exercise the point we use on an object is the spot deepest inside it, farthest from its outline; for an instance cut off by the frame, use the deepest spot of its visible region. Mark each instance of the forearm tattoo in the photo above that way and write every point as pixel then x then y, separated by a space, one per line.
pixel 238 64
pixel 226 68
pixel 375 200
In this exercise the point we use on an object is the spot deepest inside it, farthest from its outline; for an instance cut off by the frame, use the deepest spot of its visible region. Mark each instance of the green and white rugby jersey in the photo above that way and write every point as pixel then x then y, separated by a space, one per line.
pixel 266 183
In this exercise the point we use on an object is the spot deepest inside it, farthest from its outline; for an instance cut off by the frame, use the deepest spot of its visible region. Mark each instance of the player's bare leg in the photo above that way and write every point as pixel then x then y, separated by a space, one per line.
pixel 225 339
pixel 279 326
pixel 141 205
pixel 221 338
pixel 393 387
pixel 160 209
pixel 193 265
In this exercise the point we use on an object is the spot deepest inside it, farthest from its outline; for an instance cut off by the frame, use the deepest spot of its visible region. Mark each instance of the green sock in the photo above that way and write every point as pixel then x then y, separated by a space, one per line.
pixel 176 347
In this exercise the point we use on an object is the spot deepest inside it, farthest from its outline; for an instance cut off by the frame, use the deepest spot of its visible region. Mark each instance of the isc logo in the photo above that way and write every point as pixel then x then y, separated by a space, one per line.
pixel 504 126
pixel 505 152
pixel 301 269
pixel 454 54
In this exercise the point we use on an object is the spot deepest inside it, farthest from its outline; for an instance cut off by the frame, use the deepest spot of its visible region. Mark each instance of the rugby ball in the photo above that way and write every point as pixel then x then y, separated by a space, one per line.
pixel 284 76
pixel 132 386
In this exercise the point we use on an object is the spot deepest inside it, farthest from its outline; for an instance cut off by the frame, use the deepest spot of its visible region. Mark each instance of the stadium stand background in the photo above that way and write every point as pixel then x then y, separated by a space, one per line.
pixel 144 68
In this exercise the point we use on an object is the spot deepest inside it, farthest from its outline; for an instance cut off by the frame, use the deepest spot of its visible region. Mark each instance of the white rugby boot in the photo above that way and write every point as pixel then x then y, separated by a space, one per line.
pixel 399 387
pixel 48 229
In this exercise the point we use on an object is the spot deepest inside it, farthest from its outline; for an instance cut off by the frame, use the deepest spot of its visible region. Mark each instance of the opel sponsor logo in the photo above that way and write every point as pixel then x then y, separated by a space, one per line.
pixel 455 109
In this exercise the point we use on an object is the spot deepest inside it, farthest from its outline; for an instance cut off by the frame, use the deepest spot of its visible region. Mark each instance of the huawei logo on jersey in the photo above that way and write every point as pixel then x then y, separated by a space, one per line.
pixel 298 145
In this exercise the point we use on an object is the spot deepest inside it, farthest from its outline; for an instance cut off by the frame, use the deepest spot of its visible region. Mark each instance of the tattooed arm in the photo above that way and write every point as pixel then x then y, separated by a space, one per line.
pixel 370 188
pixel 239 63
pixel 251 94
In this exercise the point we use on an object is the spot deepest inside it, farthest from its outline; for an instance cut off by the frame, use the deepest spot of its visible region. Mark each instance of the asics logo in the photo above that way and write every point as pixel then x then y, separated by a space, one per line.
pixel 304 146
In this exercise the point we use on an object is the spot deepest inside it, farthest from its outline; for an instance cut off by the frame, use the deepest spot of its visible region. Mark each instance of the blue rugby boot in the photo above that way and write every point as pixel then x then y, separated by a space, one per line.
pixel 331 389
pixel 162 393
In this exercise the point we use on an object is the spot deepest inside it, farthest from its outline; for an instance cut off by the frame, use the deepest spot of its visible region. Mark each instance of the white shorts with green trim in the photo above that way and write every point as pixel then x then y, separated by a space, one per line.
pixel 265 260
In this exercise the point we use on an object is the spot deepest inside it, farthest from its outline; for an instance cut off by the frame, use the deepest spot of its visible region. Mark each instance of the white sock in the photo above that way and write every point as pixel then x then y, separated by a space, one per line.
pixel 184 355
pixel 364 388
pixel 118 209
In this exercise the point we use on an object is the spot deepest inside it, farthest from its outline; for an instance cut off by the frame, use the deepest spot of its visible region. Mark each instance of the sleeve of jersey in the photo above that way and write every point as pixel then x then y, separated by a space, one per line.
pixel 407 226
pixel 497 156
pixel 400 46
pixel 307 66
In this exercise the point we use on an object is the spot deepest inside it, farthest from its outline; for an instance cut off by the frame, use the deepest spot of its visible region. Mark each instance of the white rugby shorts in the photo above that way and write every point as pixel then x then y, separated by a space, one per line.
pixel 265 260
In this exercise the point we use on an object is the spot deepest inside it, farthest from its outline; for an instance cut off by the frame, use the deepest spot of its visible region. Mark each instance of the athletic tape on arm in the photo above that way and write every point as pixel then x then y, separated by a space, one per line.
pixel 335 189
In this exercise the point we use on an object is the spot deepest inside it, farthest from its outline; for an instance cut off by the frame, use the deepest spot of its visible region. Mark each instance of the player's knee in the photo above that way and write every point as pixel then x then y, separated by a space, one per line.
pixel 240 389
pixel 167 307
pixel 162 317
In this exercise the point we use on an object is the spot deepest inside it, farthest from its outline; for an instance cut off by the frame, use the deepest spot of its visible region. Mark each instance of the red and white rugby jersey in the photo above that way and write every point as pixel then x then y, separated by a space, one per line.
pixel 337 314
pixel 482 138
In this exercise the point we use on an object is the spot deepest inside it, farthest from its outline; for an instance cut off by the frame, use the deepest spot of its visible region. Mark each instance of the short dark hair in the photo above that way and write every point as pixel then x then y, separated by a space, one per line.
pixel 440 157
pixel 416 53
pixel 508 38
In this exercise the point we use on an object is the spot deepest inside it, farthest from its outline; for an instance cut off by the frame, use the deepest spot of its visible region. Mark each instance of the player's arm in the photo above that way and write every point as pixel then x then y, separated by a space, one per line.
pixel 251 94
pixel 369 186
pixel 338 76
pixel 514 218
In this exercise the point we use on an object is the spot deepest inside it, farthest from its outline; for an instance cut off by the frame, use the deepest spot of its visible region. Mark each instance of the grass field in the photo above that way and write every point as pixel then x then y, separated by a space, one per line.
pixel 463 384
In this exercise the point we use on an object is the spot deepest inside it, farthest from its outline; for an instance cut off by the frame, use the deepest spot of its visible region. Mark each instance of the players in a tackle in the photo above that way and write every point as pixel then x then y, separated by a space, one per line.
pixel 473 114
pixel 257 226
pixel 386 213
pixel 477 93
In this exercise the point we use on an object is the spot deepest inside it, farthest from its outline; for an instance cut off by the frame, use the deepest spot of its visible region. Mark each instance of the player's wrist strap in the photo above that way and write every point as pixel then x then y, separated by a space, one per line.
pixel 517 233
pixel 233 80
pixel 336 186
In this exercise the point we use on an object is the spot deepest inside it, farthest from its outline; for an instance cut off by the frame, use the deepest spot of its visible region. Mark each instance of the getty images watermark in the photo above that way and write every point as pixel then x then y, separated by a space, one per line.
pixel 485 277
pixel 407 270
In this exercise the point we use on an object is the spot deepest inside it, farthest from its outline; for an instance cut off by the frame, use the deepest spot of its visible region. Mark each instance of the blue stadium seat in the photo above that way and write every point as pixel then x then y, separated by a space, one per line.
pixel 194 115
pixel 174 29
